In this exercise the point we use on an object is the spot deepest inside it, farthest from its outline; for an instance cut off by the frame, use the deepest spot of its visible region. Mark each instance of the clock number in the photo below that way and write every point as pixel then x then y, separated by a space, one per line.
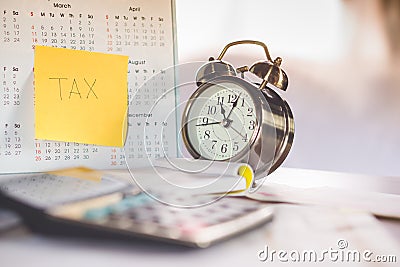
pixel 245 138
pixel 252 125
pixel 212 110
pixel 232 98
pixel 224 148
pixel 205 120
pixel 220 100
pixel 235 146
pixel 250 112
pixel 214 142
pixel 207 134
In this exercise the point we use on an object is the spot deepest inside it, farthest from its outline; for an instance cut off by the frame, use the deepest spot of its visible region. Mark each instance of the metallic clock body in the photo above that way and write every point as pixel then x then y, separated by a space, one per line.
pixel 273 133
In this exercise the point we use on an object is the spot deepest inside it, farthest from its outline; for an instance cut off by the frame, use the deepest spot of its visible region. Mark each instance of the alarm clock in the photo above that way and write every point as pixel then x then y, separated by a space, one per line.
pixel 229 118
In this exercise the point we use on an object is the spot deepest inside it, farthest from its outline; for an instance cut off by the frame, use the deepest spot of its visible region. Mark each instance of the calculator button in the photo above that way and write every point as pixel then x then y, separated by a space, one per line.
pixel 120 207
pixel 97 214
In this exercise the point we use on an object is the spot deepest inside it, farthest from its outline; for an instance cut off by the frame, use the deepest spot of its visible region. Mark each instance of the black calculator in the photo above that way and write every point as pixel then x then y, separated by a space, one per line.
pixel 114 209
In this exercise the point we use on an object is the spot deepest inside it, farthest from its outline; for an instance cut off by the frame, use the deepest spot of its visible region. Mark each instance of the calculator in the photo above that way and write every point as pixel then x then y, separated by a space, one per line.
pixel 119 210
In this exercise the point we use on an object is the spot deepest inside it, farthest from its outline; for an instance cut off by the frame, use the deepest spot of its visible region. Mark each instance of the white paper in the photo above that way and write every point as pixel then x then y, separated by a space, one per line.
pixel 189 177
pixel 205 167
pixel 379 204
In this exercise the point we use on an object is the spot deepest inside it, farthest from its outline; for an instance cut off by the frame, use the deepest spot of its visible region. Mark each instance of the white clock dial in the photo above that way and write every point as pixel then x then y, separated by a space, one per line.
pixel 221 121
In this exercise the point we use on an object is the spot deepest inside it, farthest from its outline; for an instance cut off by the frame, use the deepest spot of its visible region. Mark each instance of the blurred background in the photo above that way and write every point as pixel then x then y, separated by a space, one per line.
pixel 343 62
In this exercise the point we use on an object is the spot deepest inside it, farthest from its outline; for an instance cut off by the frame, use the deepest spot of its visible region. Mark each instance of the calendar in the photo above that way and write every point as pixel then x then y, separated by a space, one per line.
pixel 140 29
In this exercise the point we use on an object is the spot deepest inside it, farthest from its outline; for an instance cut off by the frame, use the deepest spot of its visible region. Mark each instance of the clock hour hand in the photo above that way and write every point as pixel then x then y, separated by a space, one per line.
pixel 234 104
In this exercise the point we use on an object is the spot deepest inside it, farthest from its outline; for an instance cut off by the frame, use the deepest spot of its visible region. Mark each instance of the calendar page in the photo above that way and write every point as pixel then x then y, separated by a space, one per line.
pixel 140 29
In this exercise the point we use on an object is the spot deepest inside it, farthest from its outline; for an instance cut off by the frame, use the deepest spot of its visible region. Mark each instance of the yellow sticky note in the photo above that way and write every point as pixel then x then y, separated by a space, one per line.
pixel 80 96
pixel 80 173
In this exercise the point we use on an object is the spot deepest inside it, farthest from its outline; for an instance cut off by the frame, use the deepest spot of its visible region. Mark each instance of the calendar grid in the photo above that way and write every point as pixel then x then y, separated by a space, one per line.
pixel 143 30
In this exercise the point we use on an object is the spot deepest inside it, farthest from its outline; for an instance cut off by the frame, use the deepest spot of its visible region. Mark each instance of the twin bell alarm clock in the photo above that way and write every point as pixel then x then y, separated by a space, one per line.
pixel 229 118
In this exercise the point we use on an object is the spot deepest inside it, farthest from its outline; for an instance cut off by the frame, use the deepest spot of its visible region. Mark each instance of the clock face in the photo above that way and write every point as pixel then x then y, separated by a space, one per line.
pixel 221 121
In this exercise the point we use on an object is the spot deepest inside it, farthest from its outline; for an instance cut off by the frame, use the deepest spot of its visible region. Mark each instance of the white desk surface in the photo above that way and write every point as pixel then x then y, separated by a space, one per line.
pixel 294 227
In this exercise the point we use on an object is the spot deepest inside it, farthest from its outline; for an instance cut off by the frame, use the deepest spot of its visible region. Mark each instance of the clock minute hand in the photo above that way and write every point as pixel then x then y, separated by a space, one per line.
pixel 222 111
pixel 234 104
pixel 210 123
